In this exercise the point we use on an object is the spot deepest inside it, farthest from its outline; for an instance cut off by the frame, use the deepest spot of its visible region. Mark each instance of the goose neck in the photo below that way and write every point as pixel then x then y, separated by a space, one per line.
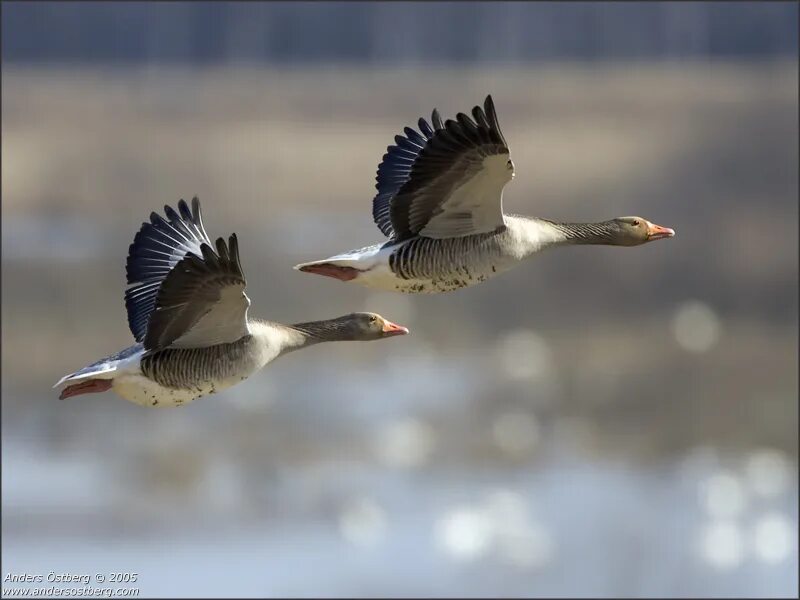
pixel 600 233
pixel 315 332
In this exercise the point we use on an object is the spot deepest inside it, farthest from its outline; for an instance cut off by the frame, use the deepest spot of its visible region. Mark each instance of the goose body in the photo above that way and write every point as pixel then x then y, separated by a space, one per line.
pixel 423 265
pixel 187 310
pixel 439 201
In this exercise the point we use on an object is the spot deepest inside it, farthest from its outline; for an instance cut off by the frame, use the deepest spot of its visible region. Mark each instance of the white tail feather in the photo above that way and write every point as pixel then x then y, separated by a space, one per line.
pixel 362 259
pixel 107 368
pixel 100 373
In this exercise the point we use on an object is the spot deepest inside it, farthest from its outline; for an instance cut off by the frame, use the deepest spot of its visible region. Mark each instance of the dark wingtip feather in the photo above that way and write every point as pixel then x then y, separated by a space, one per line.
pixel 233 246
pixel 436 118
pixel 457 133
pixel 209 256
pixel 492 115
pixel 158 221
pixel 197 216
pixel 170 212
pixel 222 249
pixel 465 120
pixel 425 128
pixel 157 248
pixel 480 117
pixel 186 214
pixel 488 107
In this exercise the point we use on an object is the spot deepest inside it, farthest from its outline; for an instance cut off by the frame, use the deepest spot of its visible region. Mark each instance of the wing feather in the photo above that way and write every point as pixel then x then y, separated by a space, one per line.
pixel 454 186
pixel 202 301
pixel 157 247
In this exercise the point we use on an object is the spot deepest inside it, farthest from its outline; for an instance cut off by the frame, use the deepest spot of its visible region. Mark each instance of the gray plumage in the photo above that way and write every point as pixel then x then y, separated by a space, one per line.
pixel 449 263
pixel 440 201
pixel 188 311
pixel 195 368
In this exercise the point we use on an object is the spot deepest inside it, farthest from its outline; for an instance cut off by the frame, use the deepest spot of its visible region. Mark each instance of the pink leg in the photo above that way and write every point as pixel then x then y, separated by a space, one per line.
pixel 93 386
pixel 335 271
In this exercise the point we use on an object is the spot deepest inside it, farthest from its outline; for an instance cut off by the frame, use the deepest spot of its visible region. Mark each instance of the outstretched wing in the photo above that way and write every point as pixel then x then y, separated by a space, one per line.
pixel 395 169
pixel 201 302
pixel 157 248
pixel 447 181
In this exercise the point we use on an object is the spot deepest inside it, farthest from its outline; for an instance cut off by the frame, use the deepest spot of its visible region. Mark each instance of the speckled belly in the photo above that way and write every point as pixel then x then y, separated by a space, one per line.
pixel 431 266
pixel 381 278
pixel 446 282
pixel 146 392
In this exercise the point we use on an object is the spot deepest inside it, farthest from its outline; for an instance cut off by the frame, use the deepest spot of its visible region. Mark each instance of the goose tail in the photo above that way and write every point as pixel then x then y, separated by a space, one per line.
pixel 347 266
pixel 98 376
pixel 330 268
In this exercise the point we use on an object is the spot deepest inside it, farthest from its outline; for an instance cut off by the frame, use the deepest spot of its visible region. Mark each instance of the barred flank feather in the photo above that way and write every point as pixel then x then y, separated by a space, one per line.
pixel 461 259
pixel 186 368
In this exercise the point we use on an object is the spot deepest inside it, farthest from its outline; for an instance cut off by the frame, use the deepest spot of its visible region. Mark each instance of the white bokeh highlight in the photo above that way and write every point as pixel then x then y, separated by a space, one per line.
pixel 524 355
pixel 516 433
pixel 722 545
pixel 501 526
pixel 362 522
pixel 723 495
pixel 696 327
pixel 774 537
pixel 768 472
pixel 464 533
pixel 405 443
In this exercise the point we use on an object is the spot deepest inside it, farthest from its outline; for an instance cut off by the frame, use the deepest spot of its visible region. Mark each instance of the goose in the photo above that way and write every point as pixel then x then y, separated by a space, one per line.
pixel 188 312
pixel 440 202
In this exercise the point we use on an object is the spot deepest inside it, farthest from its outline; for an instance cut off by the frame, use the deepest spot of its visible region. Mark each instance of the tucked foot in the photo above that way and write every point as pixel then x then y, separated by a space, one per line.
pixel 93 386
pixel 331 270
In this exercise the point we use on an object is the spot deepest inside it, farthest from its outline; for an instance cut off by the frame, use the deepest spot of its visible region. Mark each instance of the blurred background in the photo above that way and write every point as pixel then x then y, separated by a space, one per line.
pixel 599 421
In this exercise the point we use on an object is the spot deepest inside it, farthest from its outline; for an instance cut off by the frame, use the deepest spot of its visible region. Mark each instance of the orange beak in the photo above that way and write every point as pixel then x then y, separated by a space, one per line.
pixel 390 328
pixel 656 232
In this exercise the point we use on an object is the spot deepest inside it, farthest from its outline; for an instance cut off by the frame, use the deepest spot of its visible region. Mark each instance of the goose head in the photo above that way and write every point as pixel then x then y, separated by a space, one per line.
pixel 633 231
pixel 365 326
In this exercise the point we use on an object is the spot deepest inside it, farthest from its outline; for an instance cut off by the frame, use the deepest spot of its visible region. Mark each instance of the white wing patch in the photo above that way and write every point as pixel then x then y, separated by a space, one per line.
pixel 225 323
pixel 476 205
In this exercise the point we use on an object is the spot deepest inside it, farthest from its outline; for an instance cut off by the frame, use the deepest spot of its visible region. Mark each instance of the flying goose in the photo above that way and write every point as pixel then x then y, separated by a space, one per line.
pixel 439 201
pixel 187 310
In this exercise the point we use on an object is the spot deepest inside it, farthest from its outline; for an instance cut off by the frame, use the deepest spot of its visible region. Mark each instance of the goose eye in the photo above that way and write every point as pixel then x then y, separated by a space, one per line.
pixel 373 319
pixel 636 222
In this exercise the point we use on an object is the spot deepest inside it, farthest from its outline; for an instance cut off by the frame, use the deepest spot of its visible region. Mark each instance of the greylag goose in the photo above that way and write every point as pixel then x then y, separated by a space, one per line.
pixel 187 310
pixel 439 201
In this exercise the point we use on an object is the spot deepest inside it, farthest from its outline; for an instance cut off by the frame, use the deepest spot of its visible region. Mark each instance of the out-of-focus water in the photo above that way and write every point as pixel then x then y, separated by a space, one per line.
pixel 703 525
